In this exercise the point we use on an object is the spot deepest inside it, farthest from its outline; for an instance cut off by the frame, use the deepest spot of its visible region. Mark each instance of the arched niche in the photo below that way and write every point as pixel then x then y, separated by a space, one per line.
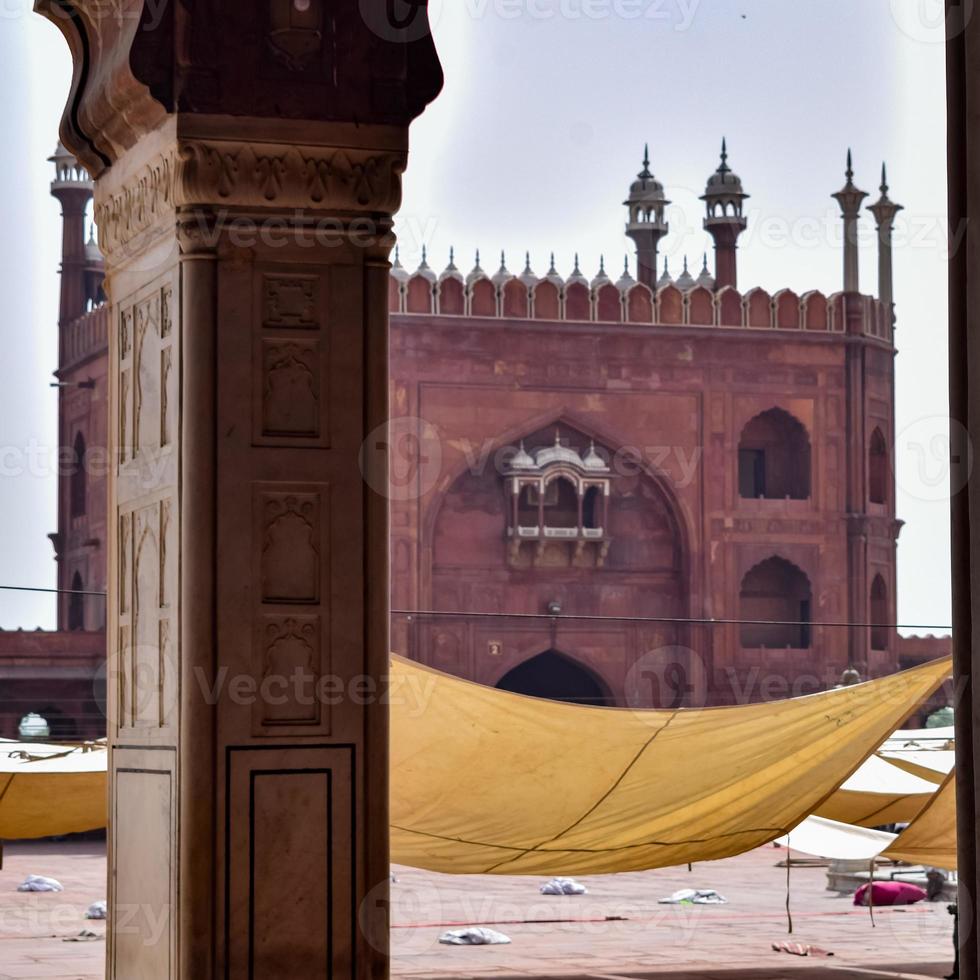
pixel 774 457
pixel 775 601
pixel 418 295
pixel 758 308
pixel 670 305
pixel 609 304
pixel 639 304
pixel 700 307
pixel 787 310
pixel 452 297
pixel 547 301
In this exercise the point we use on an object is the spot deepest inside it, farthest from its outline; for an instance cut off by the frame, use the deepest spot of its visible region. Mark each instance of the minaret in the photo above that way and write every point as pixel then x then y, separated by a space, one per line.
pixel 72 186
pixel 884 211
pixel 723 199
pixel 849 198
pixel 646 224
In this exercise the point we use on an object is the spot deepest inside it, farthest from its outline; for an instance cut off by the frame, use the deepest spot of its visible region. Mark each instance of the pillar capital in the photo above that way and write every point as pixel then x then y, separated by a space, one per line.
pixel 138 61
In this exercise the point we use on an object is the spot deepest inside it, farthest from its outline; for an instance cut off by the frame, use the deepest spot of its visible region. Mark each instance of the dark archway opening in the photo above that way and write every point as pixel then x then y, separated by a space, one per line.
pixel 879 614
pixel 878 469
pixel 76 604
pixel 774 458
pixel 556 677
pixel 774 605
pixel 77 486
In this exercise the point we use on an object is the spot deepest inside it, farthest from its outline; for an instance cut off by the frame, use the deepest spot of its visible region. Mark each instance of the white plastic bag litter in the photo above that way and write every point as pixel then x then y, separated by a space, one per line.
pixel 97 910
pixel 563 886
pixel 38 883
pixel 694 896
pixel 475 936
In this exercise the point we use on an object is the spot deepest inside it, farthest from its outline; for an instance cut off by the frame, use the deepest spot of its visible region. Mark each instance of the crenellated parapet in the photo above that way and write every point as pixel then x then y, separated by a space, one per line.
pixel 577 299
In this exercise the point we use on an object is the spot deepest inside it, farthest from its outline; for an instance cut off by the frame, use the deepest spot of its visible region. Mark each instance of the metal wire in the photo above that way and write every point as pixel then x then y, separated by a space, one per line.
pixel 679 620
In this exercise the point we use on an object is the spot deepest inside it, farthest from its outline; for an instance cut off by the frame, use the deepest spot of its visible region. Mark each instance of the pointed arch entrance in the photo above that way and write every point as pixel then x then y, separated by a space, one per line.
pixel 557 677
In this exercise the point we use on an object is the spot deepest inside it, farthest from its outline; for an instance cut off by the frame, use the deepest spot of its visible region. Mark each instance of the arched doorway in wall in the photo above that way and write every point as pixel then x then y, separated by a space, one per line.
pixel 554 676
pixel 775 606
pixel 774 457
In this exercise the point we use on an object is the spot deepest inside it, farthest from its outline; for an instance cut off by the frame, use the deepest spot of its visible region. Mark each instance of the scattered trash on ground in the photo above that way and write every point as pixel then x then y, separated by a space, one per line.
pixel 97 910
pixel 563 886
pixel 85 936
pixel 38 883
pixel 476 936
pixel 694 896
pixel 889 893
pixel 800 949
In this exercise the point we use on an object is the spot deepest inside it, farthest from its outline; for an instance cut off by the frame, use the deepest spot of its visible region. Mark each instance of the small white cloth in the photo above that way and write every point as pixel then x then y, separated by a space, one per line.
pixel 694 896
pixel 38 883
pixel 97 910
pixel 563 886
pixel 476 936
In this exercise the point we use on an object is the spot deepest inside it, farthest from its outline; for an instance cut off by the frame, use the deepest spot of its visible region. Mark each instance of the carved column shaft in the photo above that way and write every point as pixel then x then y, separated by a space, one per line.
pixel 249 635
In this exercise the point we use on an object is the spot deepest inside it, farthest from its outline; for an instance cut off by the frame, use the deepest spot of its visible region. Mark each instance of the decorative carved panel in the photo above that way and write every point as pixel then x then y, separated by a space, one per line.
pixel 291 639
pixel 291 301
pixel 290 648
pixel 291 549
pixel 291 389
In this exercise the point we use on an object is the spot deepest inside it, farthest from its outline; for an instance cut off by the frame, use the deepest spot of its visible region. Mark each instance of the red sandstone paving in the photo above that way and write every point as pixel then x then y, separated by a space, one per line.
pixel 730 942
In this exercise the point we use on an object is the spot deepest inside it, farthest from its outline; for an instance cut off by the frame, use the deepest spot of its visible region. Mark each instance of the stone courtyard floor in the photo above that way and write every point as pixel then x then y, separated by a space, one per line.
pixel 617 932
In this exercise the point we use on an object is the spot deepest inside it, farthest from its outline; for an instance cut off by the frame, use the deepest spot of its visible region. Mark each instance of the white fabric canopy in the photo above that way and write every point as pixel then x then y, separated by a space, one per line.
pixel 839 841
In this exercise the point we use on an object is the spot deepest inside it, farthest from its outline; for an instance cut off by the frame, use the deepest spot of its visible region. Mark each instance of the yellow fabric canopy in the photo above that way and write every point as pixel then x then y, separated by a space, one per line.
pixel 878 793
pixel 931 838
pixel 484 781
pixel 48 790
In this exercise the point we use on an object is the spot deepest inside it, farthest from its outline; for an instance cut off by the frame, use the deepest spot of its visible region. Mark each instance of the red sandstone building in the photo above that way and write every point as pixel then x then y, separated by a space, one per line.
pixel 640 492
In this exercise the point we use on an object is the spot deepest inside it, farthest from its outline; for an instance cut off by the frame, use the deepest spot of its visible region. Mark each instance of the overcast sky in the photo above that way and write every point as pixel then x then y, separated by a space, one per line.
pixel 532 146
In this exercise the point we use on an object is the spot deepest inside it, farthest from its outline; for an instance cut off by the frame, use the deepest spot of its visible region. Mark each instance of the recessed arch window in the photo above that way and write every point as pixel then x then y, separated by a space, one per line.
pixel 76 603
pixel 561 503
pixel 774 457
pixel 879 614
pixel 77 486
pixel 775 606
pixel 878 468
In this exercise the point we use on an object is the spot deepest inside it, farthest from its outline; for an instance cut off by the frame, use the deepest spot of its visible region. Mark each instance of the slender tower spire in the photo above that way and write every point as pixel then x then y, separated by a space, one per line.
pixel 849 197
pixel 645 223
pixel 884 211
pixel 724 220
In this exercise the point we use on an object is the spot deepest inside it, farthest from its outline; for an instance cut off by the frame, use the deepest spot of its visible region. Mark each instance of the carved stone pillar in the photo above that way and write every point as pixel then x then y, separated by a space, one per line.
pixel 247 161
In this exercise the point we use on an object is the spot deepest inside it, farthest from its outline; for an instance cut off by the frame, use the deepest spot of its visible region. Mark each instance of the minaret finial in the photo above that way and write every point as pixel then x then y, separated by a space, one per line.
pixel 626 265
pixel 423 255
pixel 666 270
pixel 576 270
pixel 552 271
pixel 478 258
pixel 452 254
pixel 704 264
pixel 602 265
pixel 849 173
pixel 685 263
pixel 724 153
pixel 645 172
pixel 884 180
